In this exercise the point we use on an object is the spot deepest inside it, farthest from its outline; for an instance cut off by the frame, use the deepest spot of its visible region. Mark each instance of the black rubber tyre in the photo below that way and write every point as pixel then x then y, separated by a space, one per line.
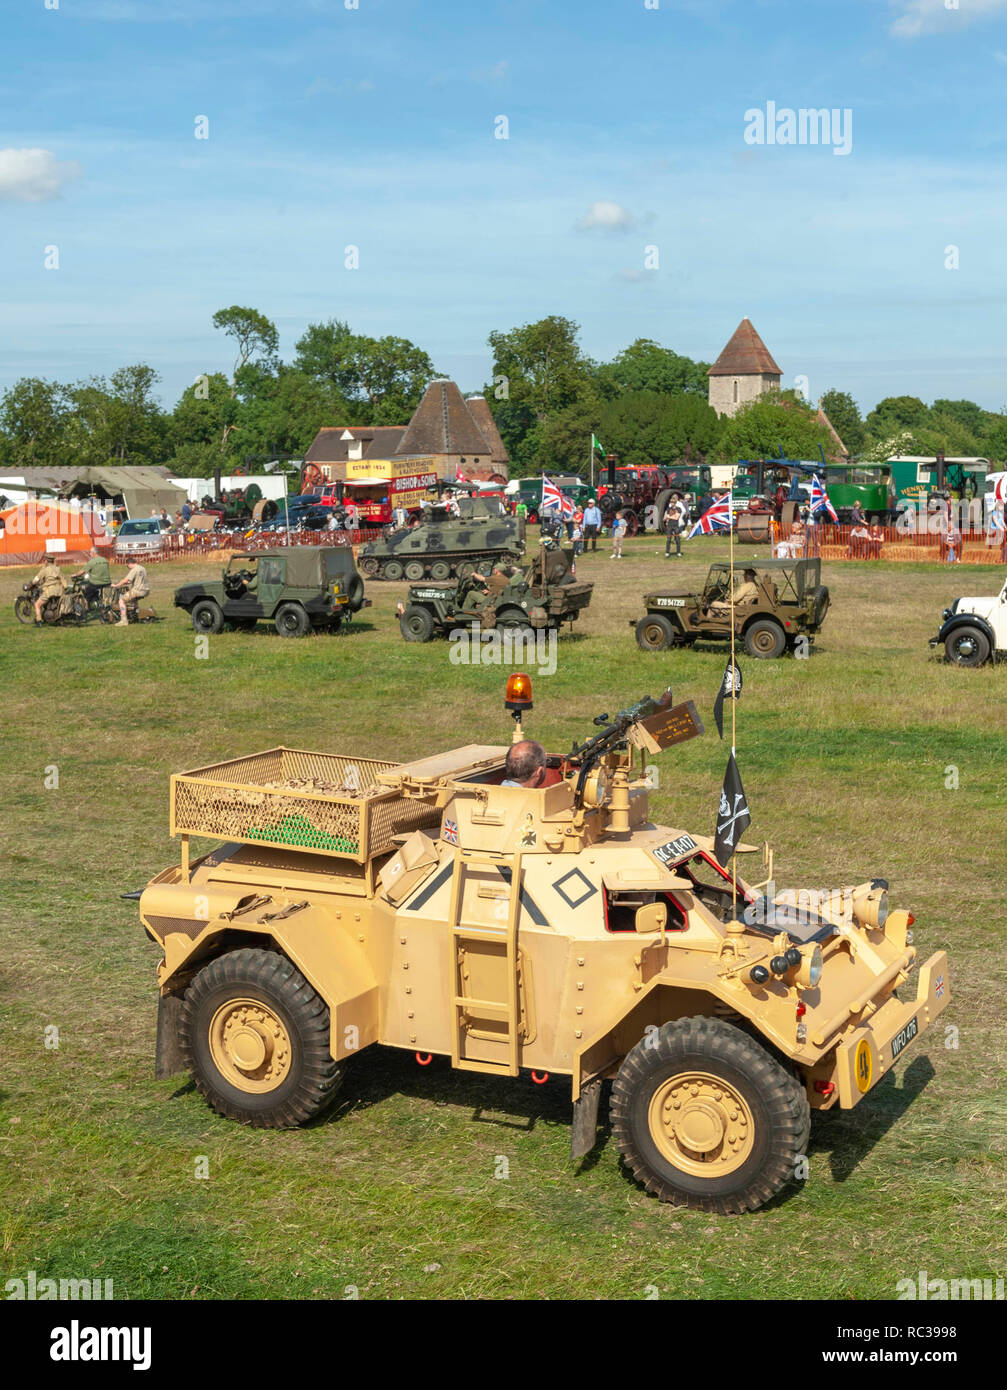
pixel 655 633
pixel 393 570
pixel 414 571
pixel 24 609
pixel 967 646
pixel 821 604
pixel 309 1077
pixel 291 620
pixel 356 593
pixel 417 624
pixel 440 570
pixel 765 638
pixel 206 616
pixel 632 521
pixel 660 506
pixel 775 1101
pixel 514 620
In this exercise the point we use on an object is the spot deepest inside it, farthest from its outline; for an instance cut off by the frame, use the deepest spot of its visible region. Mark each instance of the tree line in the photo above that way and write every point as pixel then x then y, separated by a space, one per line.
pixel 647 405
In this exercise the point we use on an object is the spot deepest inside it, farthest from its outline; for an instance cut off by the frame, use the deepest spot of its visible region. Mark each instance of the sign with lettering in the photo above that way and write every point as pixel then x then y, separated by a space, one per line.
pixel 666 727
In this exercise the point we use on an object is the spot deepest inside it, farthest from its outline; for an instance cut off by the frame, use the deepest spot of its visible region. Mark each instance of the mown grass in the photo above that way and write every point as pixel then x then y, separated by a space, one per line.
pixel 848 759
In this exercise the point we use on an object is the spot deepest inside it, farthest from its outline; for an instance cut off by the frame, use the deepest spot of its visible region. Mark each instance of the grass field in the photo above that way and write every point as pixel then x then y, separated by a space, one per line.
pixel 849 761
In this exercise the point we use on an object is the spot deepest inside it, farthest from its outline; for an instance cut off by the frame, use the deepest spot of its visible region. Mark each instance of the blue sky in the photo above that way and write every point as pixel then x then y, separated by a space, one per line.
pixel 374 127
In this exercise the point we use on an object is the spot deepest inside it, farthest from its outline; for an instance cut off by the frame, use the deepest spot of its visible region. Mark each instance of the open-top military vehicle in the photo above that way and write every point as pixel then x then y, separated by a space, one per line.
pixel 974 630
pixel 427 906
pixel 791 603
pixel 299 588
pixel 443 544
pixel 542 595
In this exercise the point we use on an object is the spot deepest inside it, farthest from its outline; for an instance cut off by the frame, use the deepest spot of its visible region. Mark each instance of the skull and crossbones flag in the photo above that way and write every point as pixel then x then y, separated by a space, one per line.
pixel 730 685
pixel 733 817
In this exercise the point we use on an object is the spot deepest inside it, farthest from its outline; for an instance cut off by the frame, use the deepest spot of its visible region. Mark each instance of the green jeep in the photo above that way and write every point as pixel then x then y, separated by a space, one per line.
pixel 789 602
pixel 541 595
pixel 298 589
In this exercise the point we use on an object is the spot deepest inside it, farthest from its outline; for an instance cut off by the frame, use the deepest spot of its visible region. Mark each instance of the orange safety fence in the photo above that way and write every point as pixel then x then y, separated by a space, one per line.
pixel 893 543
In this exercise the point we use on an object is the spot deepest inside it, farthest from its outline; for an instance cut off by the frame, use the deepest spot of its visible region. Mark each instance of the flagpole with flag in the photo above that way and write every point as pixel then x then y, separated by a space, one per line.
pixel 734 856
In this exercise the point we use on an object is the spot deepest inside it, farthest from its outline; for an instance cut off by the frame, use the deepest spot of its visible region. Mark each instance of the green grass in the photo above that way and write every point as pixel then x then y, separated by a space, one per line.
pixel 845 758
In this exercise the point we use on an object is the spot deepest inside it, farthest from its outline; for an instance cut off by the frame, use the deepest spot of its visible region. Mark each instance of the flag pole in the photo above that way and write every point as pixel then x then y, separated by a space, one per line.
pixel 730 518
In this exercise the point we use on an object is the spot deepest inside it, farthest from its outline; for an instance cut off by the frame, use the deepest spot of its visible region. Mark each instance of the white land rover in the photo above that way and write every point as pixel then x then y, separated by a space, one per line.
pixel 974 630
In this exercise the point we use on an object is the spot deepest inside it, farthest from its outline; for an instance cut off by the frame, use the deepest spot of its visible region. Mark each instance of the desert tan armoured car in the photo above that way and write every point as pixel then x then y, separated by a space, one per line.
pixel 424 905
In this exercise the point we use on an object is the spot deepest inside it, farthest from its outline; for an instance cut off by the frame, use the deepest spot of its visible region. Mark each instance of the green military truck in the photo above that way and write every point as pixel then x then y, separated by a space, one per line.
pixel 297 590
pixel 541 596
pixel 791 602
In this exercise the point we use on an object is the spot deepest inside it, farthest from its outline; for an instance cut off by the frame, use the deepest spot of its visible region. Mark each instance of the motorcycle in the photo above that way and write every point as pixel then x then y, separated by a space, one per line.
pixel 57 609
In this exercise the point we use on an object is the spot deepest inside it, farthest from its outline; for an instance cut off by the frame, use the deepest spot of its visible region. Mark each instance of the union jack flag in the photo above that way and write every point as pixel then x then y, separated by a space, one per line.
pixel 449 831
pixel 820 500
pixel 553 498
pixel 719 516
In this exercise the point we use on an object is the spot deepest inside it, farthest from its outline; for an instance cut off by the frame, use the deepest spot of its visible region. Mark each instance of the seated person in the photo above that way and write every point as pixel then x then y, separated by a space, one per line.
pixel 525 766
pixel 470 591
pixel 859 540
pixel 746 592
pixel 500 578
pixel 96 575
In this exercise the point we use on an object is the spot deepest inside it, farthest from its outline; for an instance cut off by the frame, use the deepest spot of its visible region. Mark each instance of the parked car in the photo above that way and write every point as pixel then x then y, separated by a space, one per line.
pixel 137 540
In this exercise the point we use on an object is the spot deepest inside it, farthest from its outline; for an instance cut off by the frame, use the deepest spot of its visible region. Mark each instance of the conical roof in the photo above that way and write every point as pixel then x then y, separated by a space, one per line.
pixel 479 410
pixel 745 355
pixel 442 425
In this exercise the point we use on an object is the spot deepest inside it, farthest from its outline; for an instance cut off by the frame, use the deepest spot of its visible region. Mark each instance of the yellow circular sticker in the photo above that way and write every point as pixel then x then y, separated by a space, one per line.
pixel 862 1064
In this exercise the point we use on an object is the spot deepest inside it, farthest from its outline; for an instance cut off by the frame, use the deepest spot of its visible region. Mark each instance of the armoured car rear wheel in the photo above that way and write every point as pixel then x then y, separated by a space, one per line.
pixel 417 624
pixel 765 639
pixel 654 633
pixel 967 646
pixel 393 570
pixel 206 616
pixel 707 1118
pixel 414 570
pixel 291 620
pixel 368 566
pixel 440 570
pixel 255 1038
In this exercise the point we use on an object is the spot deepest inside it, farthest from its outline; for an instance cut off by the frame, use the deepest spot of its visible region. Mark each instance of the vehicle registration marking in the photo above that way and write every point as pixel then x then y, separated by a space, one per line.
pixel 671 603
pixel 905 1037
pixel 673 850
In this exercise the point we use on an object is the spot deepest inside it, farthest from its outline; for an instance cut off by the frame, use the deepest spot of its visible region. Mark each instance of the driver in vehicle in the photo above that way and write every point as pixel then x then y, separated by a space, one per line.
pixel 525 766
pixel 744 593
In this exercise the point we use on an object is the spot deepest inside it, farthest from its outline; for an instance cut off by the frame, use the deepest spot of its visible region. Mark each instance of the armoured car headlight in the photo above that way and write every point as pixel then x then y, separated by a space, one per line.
pixel 870 906
pixel 810 970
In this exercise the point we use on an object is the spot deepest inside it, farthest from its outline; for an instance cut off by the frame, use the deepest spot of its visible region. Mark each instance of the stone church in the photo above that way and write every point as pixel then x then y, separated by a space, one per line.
pixel 744 370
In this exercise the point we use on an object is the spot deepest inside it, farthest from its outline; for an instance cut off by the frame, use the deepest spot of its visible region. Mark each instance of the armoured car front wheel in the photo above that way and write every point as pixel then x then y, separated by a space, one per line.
pixel 654 633
pixel 440 570
pixel 417 624
pixel 291 620
pixel 967 646
pixel 705 1117
pixel 255 1038
pixel 393 570
pixel 765 638
pixel 206 616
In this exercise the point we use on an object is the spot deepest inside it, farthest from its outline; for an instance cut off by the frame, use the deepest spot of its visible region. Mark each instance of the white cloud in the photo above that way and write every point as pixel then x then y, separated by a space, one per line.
pixel 606 217
pixel 931 16
pixel 34 176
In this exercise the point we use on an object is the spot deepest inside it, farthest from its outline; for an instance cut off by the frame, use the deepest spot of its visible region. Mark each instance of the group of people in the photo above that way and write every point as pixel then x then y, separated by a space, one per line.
pixel 96 576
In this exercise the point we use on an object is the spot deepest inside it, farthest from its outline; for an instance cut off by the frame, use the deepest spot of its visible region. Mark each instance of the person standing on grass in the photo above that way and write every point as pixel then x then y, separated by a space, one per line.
pixel 592 525
pixel 673 521
pixel 619 529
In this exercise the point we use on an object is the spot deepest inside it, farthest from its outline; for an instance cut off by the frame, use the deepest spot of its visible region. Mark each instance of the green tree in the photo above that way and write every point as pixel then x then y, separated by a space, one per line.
pixel 774 421
pixel 653 427
pixel 844 413
pixel 646 366
pixel 384 378
pixel 895 413
pixel 543 365
pixel 201 426
pixel 255 337
pixel 33 420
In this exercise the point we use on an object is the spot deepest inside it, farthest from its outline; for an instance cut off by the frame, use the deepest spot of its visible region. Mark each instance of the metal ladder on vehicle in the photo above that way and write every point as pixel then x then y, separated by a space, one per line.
pixel 506 1010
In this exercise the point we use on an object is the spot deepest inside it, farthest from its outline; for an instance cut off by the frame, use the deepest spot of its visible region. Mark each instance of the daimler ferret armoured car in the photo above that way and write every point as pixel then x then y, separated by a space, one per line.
pixel 974 630
pixel 785 602
pixel 540 596
pixel 446 544
pixel 428 906
pixel 298 589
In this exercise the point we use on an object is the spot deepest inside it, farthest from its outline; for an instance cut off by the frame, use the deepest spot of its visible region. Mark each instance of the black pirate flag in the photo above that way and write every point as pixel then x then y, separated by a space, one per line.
pixel 733 817
pixel 730 685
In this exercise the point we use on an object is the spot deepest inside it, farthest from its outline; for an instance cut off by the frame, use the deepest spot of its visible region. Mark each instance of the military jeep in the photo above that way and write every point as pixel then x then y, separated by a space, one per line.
pixel 297 589
pixel 551 927
pixel 791 604
pixel 540 596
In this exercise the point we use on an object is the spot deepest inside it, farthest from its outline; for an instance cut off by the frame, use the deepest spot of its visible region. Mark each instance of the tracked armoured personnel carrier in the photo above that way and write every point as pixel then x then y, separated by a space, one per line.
pixel 446 546
pixel 550 925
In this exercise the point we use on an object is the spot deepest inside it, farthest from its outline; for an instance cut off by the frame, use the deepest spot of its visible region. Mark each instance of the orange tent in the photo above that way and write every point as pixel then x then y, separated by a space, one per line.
pixel 32 530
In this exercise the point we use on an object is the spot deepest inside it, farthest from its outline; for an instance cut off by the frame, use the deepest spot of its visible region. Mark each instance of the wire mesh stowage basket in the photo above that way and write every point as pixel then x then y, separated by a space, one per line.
pixel 288 799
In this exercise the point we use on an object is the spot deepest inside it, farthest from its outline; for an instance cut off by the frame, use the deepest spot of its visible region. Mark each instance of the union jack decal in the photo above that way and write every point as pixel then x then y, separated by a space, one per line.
pixel 939 987
pixel 449 831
